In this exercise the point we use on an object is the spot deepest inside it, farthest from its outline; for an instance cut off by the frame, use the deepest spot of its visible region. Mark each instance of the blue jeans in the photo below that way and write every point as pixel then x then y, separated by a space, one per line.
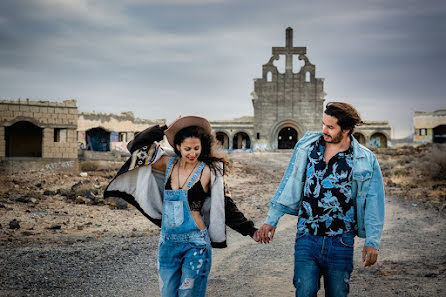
pixel 184 264
pixel 328 256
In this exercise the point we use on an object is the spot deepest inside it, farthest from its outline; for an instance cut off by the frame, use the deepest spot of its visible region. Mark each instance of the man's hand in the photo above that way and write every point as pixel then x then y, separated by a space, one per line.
pixel 266 233
pixel 369 255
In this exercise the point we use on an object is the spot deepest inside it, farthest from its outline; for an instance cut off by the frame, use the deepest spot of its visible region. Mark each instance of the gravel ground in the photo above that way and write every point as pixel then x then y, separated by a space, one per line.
pixel 412 259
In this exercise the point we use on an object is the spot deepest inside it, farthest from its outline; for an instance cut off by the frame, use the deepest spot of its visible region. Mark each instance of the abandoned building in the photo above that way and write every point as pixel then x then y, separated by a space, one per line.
pixel 40 129
pixel 430 127
pixel 286 105
pixel 103 132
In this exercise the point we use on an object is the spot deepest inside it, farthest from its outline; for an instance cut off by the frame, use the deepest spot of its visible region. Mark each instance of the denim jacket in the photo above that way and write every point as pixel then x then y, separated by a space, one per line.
pixel 367 189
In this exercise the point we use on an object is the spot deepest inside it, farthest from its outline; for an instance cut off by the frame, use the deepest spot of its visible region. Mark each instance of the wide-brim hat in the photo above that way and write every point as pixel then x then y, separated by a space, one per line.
pixel 184 122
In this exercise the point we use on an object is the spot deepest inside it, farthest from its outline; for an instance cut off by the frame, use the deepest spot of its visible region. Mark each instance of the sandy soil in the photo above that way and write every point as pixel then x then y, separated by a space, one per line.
pixel 72 242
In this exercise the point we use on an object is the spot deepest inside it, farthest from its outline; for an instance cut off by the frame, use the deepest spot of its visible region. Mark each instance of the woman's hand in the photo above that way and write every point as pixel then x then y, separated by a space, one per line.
pixel 256 236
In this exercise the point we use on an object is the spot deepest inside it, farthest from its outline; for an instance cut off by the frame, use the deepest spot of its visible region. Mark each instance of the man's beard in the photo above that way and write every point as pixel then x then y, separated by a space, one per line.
pixel 335 139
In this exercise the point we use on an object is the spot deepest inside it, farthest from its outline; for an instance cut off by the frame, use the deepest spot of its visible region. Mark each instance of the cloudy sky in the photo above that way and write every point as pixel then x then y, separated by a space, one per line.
pixel 161 58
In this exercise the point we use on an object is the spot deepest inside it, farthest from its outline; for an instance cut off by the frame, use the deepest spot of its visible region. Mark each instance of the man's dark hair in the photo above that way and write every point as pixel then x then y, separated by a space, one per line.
pixel 348 117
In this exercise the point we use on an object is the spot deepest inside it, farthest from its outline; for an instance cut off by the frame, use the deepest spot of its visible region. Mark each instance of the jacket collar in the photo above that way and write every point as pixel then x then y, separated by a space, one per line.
pixel 357 151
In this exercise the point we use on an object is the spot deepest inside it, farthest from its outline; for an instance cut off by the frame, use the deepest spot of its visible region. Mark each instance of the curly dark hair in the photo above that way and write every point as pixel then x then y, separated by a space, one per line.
pixel 208 153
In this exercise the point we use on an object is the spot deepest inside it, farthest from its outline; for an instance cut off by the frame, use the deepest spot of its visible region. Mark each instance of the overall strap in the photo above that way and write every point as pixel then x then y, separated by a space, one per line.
pixel 191 181
pixel 169 165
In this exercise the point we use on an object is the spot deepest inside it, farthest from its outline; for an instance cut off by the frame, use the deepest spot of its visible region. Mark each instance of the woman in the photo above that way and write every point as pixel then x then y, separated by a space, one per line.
pixel 185 194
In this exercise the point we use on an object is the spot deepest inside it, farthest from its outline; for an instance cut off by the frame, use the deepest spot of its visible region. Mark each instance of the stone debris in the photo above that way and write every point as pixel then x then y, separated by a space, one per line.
pixel 14 224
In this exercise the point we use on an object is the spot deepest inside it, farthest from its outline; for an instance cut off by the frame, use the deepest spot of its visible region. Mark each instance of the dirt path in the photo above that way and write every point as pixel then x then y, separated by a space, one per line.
pixel 412 260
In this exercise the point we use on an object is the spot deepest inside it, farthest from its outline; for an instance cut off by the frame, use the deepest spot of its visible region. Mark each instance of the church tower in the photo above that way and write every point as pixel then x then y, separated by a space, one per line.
pixel 287 104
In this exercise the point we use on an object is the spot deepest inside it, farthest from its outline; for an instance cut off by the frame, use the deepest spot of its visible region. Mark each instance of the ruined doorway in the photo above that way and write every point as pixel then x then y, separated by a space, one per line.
pixel 23 139
pixel 98 140
pixel 439 134
pixel 378 140
pixel 223 139
pixel 359 137
pixel 241 141
pixel 287 138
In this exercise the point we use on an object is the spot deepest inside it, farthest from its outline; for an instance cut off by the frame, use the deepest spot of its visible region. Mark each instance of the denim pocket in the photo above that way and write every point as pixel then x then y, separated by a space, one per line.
pixel 174 213
pixel 347 240
pixel 300 234
pixel 201 244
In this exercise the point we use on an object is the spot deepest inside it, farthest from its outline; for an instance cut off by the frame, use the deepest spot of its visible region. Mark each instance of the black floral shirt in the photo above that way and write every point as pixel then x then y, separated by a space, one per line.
pixel 327 206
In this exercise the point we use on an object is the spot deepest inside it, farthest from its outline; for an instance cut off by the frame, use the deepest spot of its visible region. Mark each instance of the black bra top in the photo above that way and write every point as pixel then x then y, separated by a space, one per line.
pixel 195 195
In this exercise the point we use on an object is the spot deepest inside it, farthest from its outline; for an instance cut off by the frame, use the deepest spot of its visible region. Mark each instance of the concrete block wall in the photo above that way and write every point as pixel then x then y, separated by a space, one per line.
pixel 47 115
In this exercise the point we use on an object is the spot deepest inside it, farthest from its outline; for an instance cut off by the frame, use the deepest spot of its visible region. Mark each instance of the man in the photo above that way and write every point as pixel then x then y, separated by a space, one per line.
pixel 334 185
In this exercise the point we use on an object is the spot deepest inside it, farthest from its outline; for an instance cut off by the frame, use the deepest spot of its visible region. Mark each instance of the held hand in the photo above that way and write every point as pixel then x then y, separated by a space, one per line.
pixel 266 233
pixel 369 255
pixel 256 236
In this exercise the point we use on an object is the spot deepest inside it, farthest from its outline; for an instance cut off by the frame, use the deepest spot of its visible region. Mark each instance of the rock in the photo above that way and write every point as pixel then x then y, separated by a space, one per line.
pixel 14 224
pixel 54 227
pixel 16 197
pixel 2 206
pixel 83 174
pixel 49 193
pixel 81 200
pixel 120 203
pixel 63 192
pixel 39 185
pixel 28 233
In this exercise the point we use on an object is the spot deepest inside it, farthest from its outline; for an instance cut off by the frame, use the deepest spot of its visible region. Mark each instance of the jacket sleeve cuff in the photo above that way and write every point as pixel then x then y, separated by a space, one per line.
pixel 273 217
pixel 372 244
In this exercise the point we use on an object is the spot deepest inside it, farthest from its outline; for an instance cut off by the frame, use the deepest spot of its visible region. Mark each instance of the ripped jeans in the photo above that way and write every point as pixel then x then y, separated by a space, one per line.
pixel 328 256
pixel 184 264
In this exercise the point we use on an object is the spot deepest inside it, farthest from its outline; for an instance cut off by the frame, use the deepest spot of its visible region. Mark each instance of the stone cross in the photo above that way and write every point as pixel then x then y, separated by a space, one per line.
pixel 289 50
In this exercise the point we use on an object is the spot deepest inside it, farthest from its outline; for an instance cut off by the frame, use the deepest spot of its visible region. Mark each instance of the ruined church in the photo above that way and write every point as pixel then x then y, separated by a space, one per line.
pixel 286 105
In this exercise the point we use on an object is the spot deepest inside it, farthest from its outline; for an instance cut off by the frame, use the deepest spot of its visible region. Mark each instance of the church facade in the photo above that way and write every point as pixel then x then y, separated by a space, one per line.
pixel 286 105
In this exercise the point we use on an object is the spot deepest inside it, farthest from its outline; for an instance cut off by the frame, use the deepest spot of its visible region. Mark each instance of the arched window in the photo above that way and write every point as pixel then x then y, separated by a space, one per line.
pixel 241 141
pixel 378 140
pixel 98 140
pixel 223 139
pixel 269 76
pixel 359 137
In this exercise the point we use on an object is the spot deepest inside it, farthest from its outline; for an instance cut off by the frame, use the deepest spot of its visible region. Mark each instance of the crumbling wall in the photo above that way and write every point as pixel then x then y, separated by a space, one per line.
pixel 122 127
pixel 58 121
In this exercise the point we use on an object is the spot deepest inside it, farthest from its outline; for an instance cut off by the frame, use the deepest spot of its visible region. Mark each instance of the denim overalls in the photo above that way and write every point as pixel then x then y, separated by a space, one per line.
pixel 184 253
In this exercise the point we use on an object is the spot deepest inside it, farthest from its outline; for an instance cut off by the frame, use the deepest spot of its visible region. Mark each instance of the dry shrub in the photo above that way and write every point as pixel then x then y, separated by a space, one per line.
pixel 399 171
pixel 433 164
